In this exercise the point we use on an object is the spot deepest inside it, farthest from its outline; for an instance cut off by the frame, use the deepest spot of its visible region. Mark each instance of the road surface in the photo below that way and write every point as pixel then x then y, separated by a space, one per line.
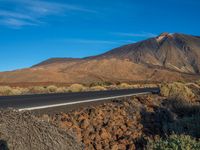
pixel 43 101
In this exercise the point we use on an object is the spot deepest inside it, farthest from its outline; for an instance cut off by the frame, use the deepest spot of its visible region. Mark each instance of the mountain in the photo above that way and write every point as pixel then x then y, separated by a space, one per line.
pixel 167 57
pixel 173 51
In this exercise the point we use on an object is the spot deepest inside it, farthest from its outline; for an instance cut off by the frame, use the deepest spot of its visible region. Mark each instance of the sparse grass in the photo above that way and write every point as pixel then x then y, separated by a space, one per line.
pixel 177 90
pixel 174 142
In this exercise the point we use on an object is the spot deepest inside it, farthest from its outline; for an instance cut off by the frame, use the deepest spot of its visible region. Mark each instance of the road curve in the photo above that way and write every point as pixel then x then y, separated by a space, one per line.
pixel 42 101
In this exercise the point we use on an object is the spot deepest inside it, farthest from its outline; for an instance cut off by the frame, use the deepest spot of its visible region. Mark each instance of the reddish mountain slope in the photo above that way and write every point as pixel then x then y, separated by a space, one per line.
pixel 167 57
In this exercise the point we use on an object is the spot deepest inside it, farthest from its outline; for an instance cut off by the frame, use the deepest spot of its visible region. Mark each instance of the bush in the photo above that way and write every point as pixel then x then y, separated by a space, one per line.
pixel 37 90
pixel 6 90
pixel 76 88
pixel 62 90
pixel 17 91
pixel 176 90
pixel 124 86
pixel 198 82
pixel 174 142
pixel 98 88
pixel 101 84
pixel 52 89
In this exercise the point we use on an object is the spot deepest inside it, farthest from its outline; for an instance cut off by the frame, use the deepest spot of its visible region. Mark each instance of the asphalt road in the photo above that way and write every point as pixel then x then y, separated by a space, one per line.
pixel 43 101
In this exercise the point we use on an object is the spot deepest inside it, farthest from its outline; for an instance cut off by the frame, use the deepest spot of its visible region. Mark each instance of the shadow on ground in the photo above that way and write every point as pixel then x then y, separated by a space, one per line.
pixel 173 116
pixel 3 145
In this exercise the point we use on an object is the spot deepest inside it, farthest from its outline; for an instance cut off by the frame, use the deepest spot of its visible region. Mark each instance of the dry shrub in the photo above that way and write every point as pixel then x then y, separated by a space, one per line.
pixel 76 88
pixel 124 86
pixel 198 82
pixel 176 90
pixel 5 90
pixel 106 83
pixel 98 88
pixel 52 89
pixel 62 90
pixel 17 91
pixel 37 90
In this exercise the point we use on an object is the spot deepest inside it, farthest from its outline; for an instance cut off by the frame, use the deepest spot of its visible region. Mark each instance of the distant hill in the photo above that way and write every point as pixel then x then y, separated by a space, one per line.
pixel 168 57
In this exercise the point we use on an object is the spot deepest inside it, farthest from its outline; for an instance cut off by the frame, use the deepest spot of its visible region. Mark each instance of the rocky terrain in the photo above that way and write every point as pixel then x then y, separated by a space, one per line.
pixel 113 126
pixel 168 57
pixel 23 131
pixel 169 120
pixel 132 122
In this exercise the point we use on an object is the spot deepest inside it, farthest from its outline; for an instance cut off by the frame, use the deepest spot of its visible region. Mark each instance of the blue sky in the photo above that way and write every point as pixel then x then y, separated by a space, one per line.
pixel 35 30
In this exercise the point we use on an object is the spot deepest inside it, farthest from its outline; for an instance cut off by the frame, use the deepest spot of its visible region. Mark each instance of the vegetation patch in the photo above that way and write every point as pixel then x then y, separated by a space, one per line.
pixel 76 88
pixel 177 90
pixel 174 142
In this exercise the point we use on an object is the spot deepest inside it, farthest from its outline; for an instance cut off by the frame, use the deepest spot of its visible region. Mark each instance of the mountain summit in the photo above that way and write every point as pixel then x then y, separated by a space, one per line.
pixel 167 57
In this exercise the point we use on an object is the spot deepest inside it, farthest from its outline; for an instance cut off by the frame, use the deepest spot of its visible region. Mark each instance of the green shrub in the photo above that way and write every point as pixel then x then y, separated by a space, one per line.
pixel 174 142
pixel 76 88
pixel 176 90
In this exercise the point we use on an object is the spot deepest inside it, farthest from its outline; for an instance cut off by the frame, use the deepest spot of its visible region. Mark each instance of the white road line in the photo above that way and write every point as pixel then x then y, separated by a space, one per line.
pixel 84 101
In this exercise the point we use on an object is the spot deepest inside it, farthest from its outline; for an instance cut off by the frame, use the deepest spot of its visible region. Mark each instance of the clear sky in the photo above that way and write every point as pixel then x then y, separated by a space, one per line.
pixel 35 30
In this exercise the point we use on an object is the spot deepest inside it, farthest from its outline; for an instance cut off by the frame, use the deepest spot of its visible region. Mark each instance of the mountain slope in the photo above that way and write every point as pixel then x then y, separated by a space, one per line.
pixel 173 51
pixel 168 57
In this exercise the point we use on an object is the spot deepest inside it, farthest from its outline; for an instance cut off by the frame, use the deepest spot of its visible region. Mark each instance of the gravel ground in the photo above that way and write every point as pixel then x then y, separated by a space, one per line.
pixel 23 131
